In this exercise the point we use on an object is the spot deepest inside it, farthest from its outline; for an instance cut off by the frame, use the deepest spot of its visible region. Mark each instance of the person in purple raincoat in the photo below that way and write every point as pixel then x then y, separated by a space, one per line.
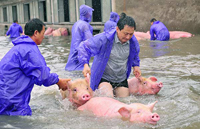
pixel 158 31
pixel 14 30
pixel 81 31
pixel 114 18
pixel 115 52
pixel 21 68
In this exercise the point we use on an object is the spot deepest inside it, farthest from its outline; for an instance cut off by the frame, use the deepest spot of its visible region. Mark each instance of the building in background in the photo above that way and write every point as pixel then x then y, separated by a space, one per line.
pixel 177 15
pixel 54 13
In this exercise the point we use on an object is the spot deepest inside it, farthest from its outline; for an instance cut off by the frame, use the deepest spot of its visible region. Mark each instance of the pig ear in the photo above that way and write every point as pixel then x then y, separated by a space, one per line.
pixel 88 78
pixel 154 79
pixel 151 106
pixel 69 84
pixel 140 79
pixel 125 113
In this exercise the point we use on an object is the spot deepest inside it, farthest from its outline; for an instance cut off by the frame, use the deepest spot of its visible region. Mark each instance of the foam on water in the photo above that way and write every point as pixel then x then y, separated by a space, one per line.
pixel 178 101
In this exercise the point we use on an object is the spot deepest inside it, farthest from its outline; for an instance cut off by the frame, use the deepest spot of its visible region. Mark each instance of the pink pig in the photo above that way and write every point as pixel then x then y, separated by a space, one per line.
pixel 63 31
pixel 78 92
pixel 109 107
pixel 56 32
pixel 144 85
pixel 179 34
pixel 49 31
pixel 142 35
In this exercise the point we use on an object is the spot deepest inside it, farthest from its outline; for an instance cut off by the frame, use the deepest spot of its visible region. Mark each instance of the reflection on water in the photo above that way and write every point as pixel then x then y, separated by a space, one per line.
pixel 176 63
pixel 159 48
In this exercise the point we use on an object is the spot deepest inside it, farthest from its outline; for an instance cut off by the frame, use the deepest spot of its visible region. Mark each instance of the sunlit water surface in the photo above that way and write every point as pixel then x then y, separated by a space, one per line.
pixel 176 63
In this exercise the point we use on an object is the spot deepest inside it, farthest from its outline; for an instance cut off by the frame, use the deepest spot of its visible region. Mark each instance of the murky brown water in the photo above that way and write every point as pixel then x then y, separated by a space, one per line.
pixel 176 63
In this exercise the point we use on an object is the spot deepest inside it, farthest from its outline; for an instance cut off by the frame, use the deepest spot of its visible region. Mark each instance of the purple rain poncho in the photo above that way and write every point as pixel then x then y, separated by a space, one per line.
pixel 81 31
pixel 21 68
pixel 114 18
pixel 159 31
pixel 100 47
pixel 14 30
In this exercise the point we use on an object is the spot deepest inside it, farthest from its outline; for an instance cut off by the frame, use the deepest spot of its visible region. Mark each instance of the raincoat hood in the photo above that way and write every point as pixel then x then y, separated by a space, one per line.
pixel 81 31
pixel 86 13
pixel 24 39
pixel 114 17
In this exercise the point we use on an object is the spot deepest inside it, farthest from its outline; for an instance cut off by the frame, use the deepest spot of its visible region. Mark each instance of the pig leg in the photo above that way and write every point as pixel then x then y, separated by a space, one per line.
pixel 106 89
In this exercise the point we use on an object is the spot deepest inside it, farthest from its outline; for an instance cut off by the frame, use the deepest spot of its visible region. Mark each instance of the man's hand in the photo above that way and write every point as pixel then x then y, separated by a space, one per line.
pixel 137 72
pixel 63 83
pixel 86 70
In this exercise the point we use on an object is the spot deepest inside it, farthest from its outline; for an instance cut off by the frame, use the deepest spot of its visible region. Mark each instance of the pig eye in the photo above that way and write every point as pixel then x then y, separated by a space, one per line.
pixel 87 88
pixel 138 111
pixel 144 83
pixel 74 90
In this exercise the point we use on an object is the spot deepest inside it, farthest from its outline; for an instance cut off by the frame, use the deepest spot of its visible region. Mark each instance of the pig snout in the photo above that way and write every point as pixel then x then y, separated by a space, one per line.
pixel 160 84
pixel 86 97
pixel 154 118
pixel 157 85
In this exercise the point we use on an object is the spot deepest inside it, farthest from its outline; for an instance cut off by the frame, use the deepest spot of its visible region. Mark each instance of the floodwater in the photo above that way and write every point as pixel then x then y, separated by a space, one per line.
pixel 176 63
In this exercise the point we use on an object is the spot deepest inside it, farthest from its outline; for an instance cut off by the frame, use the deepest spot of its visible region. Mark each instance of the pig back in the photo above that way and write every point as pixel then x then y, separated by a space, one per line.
pixel 103 106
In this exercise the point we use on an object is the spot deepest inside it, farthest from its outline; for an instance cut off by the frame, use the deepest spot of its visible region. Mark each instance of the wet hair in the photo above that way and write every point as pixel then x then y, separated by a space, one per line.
pixel 122 15
pixel 33 25
pixel 153 20
pixel 15 21
pixel 126 20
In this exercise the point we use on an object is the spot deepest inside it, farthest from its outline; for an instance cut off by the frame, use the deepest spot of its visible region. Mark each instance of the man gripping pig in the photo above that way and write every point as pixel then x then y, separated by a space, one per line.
pixel 115 52
pixel 21 68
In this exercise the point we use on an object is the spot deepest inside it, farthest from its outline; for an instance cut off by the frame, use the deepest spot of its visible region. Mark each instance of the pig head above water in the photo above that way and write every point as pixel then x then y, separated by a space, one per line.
pixel 144 85
pixel 109 107
pixel 78 92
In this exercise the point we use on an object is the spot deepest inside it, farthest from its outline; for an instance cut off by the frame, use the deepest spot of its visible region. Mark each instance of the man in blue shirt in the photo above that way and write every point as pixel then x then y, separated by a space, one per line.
pixel 115 52
pixel 158 31
pixel 21 68
pixel 14 30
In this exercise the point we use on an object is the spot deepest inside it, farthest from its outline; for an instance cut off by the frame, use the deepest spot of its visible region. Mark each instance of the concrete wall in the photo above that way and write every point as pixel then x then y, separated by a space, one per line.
pixel 183 15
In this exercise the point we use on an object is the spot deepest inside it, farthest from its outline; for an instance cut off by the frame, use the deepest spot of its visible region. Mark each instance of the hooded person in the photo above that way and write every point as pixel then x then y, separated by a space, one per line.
pixel 81 31
pixel 114 18
pixel 158 31
pixel 21 68
pixel 14 30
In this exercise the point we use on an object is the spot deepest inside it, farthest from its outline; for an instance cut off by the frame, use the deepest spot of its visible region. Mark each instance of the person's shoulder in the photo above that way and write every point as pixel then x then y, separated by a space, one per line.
pixel 134 39
pixel 102 34
pixel 83 24
pixel 153 26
